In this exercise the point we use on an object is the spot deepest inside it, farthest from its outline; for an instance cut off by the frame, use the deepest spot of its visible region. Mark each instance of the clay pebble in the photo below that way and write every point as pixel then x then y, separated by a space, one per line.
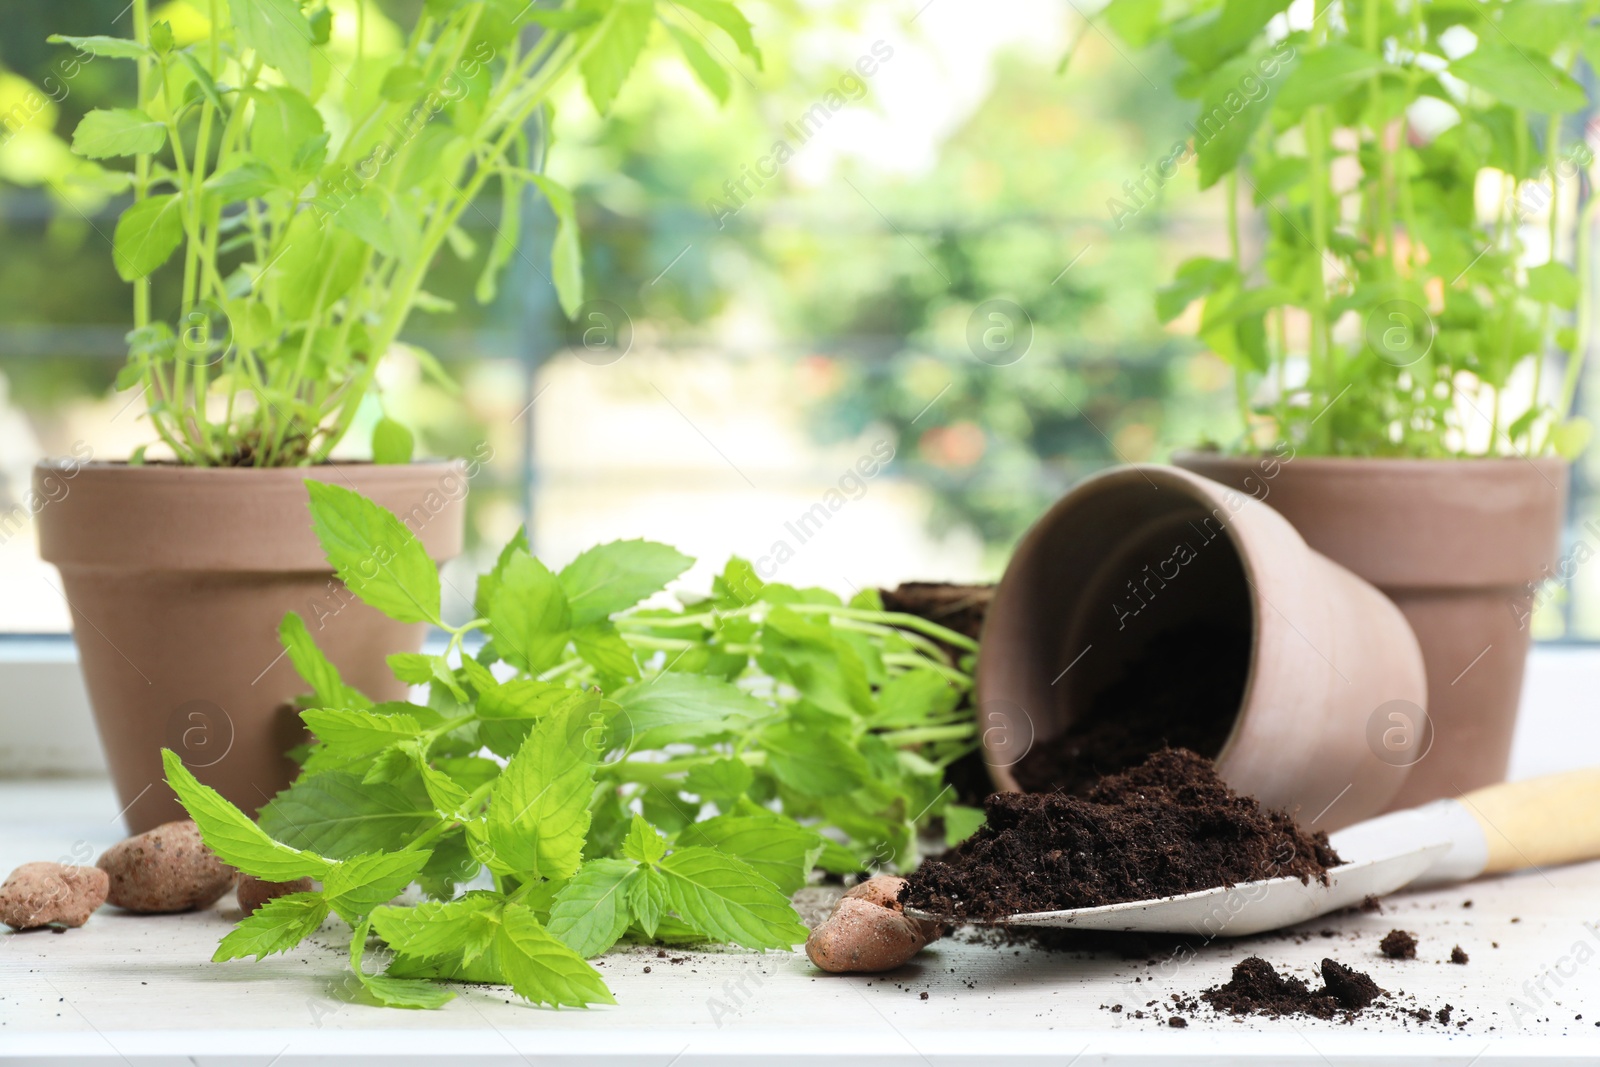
pixel 164 870
pixel 253 892
pixel 869 932
pixel 51 894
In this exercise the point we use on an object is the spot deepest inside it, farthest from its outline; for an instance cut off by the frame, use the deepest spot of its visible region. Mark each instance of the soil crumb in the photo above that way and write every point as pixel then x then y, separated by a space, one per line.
pixel 1256 988
pixel 1167 826
pixel 1183 692
pixel 1399 945
pixel 1457 956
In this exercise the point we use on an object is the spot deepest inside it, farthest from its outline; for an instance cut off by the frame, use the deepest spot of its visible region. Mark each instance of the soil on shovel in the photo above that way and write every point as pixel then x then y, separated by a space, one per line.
pixel 1167 826
pixel 1184 691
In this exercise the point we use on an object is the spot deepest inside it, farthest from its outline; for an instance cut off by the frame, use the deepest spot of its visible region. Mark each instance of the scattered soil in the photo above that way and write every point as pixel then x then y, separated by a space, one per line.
pixel 1167 826
pixel 1399 945
pixel 1184 691
pixel 1256 988
pixel 1457 956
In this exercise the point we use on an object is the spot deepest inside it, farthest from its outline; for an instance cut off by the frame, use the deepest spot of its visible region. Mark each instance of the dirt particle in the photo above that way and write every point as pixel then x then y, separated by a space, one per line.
pixel 1399 945
pixel 1457 956
pixel 1371 905
pixel 1178 1022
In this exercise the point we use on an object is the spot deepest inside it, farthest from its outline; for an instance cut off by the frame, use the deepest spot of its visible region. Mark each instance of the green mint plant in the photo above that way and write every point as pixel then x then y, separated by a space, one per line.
pixel 307 181
pixel 1415 185
pixel 616 772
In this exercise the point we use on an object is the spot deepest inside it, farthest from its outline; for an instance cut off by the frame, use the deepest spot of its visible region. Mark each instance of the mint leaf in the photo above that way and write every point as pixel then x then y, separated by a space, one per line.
pixel 280 33
pixel 314 668
pixel 230 834
pixel 730 20
pixel 356 886
pixel 708 70
pixel 421 669
pixel 105 133
pixel 913 697
pixel 541 968
pixel 603 648
pixel 720 781
pixel 643 842
pixel 338 815
pixel 613 577
pixel 675 707
pixel 392 442
pixel 539 810
pixel 509 711
pixel 277 926
pixel 776 847
pixel 960 823
pixel 1512 75
pixel 351 733
pixel 374 554
pixel 393 992
pixel 456 930
pixel 726 899
pixel 105 47
pixel 647 899
pixel 146 236
pixel 528 615
pixel 591 911
pixel 489 582
pixel 812 760
pixel 566 253
pixel 607 61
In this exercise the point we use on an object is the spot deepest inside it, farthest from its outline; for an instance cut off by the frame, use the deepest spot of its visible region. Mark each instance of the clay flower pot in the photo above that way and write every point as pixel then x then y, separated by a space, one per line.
pixel 177 579
pixel 1130 557
pixel 1459 545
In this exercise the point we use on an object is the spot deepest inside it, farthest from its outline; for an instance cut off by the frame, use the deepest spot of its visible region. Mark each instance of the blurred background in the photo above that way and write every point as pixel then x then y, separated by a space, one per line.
pixel 759 320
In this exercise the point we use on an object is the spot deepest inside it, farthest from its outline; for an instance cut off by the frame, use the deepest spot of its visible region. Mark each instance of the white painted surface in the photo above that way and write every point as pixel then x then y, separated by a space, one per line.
pixel 142 990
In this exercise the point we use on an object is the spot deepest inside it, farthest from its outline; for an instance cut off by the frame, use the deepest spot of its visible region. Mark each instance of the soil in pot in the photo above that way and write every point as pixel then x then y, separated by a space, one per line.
pixel 1184 692
pixel 1167 826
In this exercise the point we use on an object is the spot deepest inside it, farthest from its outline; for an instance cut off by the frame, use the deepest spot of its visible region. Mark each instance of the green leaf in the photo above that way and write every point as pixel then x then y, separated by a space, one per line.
pixel 643 842
pixel 280 33
pixel 960 823
pixel 373 553
pixel 1519 78
pixel 314 668
pixel 108 132
pixel 529 617
pixel 351 733
pixel 146 236
pixel 707 69
pixel 566 253
pixel 720 781
pixel 1195 278
pixel 812 760
pixel 610 56
pixel 104 47
pixel 775 846
pixel 421 669
pixel 1229 118
pixel 603 648
pixel 647 899
pixel 591 911
pixel 1553 283
pixel 357 885
pixel 914 697
pixel 539 810
pixel 284 128
pixel 730 20
pixel 338 815
pixel 1326 74
pixel 614 577
pixel 726 899
pixel 541 968
pixel 230 834
pixel 677 707
pixel 393 992
pixel 509 711
pixel 277 926
pixel 489 582
pixel 456 930
pixel 1135 21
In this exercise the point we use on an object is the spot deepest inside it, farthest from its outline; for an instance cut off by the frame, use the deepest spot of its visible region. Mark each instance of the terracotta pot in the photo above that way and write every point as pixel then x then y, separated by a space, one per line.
pixel 1455 543
pixel 1325 648
pixel 177 578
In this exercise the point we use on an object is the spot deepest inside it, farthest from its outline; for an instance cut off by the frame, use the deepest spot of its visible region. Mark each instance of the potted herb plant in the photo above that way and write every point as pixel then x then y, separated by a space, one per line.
pixel 295 172
pixel 1399 301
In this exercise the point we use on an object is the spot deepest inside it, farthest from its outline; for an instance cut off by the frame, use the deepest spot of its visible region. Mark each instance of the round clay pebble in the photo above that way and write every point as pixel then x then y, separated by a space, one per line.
pixel 863 937
pixel 253 892
pixel 165 869
pixel 41 894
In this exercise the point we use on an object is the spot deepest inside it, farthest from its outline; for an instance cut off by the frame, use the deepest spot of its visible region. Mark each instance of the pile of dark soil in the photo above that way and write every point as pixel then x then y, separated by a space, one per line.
pixel 1168 826
pixel 1184 691
pixel 1256 988
pixel 1398 945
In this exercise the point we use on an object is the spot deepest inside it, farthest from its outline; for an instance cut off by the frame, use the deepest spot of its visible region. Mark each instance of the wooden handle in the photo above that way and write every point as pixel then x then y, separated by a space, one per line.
pixel 1540 822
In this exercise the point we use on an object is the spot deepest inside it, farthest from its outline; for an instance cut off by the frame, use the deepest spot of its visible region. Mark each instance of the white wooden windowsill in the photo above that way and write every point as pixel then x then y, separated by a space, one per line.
pixel 141 990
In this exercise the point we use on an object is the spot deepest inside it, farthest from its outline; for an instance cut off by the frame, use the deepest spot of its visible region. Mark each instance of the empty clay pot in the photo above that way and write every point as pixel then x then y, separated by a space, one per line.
pixel 1459 545
pixel 177 578
pixel 1140 552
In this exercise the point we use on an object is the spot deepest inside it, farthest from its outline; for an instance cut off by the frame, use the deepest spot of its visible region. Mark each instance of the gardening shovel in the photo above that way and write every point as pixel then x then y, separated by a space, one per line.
pixel 1517 825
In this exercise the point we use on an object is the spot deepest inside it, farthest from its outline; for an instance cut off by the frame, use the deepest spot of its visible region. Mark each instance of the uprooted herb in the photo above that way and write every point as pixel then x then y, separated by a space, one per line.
pixel 620 773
